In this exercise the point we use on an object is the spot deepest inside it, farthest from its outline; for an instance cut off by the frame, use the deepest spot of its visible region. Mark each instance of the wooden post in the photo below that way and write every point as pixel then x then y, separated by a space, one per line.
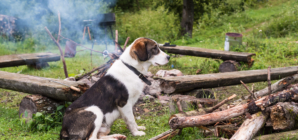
pixel 89 32
pixel 126 41
pixel 83 34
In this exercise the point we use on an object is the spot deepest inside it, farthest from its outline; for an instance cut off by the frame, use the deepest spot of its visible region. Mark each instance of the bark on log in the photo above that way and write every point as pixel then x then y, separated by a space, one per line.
pixel 189 82
pixel 37 103
pixel 252 107
pixel 210 53
pixel 283 116
pixel 27 59
pixel 278 136
pixel 36 85
pixel 250 127
pixel 228 66
pixel 279 85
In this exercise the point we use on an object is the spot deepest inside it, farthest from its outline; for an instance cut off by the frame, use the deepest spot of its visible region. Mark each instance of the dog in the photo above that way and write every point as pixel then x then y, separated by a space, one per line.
pixel 113 95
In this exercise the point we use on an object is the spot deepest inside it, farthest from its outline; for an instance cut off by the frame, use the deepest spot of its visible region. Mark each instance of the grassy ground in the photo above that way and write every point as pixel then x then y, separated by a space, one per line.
pixel 277 51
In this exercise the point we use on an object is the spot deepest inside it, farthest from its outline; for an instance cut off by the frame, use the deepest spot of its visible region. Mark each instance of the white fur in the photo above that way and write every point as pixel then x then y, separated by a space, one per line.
pixel 134 86
pixel 98 121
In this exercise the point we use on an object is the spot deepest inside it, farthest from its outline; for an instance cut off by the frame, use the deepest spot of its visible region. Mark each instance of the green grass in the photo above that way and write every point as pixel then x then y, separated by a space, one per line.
pixel 273 46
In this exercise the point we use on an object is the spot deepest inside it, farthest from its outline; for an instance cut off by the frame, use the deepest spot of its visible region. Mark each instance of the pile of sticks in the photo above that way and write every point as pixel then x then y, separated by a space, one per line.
pixel 275 106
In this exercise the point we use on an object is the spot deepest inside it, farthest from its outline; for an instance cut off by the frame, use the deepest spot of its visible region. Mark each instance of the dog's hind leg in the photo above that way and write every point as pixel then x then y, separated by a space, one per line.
pixel 97 121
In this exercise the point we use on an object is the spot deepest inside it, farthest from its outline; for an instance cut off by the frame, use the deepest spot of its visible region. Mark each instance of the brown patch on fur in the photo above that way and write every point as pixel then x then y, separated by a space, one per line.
pixel 142 49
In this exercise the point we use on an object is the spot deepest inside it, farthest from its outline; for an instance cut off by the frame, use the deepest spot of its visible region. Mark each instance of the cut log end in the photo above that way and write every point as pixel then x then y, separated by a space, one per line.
pixel 229 66
pixel 167 87
pixel 173 123
pixel 32 104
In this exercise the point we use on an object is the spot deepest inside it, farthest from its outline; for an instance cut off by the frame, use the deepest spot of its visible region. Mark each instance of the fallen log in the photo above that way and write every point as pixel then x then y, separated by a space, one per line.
pixel 279 85
pixel 189 82
pixel 210 53
pixel 27 59
pixel 283 116
pixel 250 127
pixel 252 107
pixel 36 85
pixel 32 104
pixel 278 136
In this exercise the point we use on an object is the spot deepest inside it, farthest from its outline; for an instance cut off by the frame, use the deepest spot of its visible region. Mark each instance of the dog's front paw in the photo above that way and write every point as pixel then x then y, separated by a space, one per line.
pixel 141 128
pixel 138 133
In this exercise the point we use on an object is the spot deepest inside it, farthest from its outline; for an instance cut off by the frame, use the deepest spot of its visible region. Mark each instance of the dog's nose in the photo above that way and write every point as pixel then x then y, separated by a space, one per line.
pixel 168 57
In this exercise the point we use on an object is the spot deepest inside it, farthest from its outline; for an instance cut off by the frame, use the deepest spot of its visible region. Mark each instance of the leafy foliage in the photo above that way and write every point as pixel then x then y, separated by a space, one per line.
pixel 45 122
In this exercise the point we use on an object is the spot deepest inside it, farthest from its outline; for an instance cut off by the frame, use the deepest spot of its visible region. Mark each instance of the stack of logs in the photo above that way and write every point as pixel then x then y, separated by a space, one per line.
pixel 274 108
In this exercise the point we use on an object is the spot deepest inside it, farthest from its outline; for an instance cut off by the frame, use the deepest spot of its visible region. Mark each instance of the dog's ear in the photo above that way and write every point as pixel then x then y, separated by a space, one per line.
pixel 139 50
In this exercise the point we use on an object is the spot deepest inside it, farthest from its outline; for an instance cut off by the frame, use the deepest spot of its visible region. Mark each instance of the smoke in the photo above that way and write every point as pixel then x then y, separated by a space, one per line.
pixel 34 15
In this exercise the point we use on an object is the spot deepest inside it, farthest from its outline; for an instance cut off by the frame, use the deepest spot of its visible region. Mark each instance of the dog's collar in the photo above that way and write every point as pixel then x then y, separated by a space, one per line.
pixel 140 75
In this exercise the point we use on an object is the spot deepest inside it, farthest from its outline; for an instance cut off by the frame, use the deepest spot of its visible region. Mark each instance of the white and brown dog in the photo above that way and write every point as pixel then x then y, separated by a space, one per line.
pixel 91 115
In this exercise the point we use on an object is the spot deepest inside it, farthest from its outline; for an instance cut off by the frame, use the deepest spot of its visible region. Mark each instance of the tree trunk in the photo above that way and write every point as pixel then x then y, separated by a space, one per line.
pixel 36 103
pixel 187 18
pixel 43 86
pixel 250 127
pixel 210 53
pixel 189 82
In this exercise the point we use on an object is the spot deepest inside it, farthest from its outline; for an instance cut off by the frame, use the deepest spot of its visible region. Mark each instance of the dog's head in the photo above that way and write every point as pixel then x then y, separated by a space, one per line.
pixel 145 49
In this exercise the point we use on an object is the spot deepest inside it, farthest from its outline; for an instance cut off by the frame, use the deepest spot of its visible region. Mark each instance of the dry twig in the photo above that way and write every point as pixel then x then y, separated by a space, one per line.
pixel 61 52
pixel 251 93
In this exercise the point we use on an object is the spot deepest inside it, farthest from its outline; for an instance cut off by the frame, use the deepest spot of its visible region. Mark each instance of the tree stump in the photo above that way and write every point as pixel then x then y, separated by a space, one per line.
pixel 36 103
pixel 229 66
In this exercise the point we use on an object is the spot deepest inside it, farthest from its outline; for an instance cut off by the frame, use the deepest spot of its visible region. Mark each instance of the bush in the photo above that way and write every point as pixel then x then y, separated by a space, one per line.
pixel 160 25
pixel 286 25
